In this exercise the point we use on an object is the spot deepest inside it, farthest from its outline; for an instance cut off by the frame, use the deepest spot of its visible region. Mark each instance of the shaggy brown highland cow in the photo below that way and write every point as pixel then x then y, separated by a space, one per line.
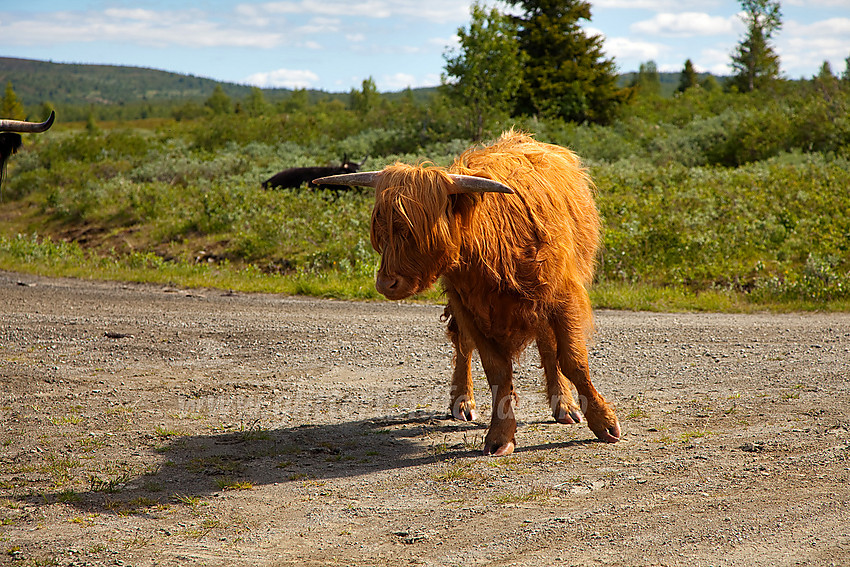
pixel 512 229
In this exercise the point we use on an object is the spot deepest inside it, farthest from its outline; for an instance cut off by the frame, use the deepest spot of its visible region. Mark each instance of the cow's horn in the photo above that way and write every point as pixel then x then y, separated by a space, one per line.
pixel 362 179
pixel 472 184
pixel 28 127
pixel 462 183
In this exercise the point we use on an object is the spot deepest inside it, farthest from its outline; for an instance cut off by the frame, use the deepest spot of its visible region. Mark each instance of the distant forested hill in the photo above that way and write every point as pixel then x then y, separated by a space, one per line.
pixel 36 82
pixel 128 92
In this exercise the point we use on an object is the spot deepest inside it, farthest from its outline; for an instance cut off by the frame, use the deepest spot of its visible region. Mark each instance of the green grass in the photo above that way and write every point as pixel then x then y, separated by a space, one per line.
pixel 642 297
pixel 109 485
pixel 189 500
pixel 455 470
pixel 44 257
pixel 230 484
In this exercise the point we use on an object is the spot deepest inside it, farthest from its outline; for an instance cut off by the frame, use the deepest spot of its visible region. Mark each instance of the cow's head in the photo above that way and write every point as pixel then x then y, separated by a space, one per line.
pixel 351 166
pixel 10 137
pixel 414 222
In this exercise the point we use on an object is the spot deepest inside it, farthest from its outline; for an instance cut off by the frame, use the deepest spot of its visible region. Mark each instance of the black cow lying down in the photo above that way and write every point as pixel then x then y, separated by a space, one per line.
pixel 295 177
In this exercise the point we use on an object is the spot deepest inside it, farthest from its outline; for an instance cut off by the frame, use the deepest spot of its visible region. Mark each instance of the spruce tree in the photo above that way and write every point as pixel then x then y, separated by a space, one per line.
pixel 11 108
pixel 255 103
pixel 688 77
pixel 755 63
pixel 566 72
pixel 826 82
pixel 845 76
pixel 648 81
pixel 219 102
pixel 367 99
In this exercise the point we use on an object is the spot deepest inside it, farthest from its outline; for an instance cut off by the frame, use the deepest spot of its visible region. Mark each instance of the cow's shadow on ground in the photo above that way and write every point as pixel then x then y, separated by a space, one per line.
pixel 198 466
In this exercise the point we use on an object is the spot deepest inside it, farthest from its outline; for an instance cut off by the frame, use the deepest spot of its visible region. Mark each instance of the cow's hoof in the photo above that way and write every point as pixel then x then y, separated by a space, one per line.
pixel 609 435
pixel 493 450
pixel 567 417
pixel 464 411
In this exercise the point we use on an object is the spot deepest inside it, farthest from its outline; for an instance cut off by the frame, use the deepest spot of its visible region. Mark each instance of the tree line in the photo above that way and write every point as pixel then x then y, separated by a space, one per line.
pixel 538 64
pixel 542 63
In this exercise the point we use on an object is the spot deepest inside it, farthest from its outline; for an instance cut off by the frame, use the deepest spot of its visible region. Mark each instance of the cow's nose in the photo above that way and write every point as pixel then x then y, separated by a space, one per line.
pixel 386 284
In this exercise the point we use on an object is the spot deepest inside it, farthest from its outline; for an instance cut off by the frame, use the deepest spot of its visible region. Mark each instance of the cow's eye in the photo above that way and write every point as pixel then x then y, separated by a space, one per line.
pixel 401 230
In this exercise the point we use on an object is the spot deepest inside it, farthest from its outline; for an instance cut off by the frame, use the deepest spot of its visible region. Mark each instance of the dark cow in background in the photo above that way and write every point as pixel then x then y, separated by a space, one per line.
pixel 10 139
pixel 295 177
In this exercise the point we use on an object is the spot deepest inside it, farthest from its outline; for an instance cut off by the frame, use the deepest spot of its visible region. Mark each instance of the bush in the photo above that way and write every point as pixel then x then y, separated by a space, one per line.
pixel 718 228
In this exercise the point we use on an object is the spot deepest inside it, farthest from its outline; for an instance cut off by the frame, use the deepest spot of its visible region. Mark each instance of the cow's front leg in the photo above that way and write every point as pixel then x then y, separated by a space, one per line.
pixel 500 439
pixel 462 400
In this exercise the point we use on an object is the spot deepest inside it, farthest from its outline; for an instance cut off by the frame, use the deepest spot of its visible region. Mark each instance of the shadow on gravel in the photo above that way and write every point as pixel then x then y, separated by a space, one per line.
pixel 198 466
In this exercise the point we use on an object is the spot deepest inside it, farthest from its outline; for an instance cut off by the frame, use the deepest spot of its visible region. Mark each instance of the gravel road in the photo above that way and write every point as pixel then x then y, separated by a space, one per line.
pixel 141 425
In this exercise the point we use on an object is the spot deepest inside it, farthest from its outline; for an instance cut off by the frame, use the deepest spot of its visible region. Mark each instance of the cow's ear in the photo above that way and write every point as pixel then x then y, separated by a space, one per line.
pixel 460 206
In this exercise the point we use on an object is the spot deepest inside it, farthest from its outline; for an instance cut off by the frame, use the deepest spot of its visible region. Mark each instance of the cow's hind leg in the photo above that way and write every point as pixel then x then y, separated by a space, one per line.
pixel 462 400
pixel 558 387
pixel 568 324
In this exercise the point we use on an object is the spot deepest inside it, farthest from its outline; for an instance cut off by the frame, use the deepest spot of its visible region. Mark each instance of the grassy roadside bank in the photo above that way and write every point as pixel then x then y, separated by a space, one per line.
pixel 45 257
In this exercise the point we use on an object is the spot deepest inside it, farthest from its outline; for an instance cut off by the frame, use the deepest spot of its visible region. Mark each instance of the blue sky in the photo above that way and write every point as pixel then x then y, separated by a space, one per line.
pixel 333 45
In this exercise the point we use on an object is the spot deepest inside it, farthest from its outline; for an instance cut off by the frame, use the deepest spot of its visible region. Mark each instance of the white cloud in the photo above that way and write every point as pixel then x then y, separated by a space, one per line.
pixel 625 48
pixel 284 78
pixel 143 27
pixel 686 24
pixel 658 5
pixel 249 15
pixel 320 26
pixel 801 45
pixel 132 14
pixel 713 60
pixel 400 81
pixel 818 3
pixel 835 27
pixel 397 81
pixel 450 44
pixel 373 8
pixel 592 31
pixel 433 10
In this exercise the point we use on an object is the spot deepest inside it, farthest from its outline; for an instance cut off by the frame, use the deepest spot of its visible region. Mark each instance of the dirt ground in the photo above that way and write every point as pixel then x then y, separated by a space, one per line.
pixel 149 426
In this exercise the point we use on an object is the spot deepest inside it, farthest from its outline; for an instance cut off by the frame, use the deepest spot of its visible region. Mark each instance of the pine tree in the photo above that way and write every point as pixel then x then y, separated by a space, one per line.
pixel 298 101
pixel 11 108
pixel 567 73
pixel 826 82
pixel 485 73
pixel 648 82
pixel 688 77
pixel 709 84
pixel 255 103
pixel 219 102
pixel 755 62
pixel 366 99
